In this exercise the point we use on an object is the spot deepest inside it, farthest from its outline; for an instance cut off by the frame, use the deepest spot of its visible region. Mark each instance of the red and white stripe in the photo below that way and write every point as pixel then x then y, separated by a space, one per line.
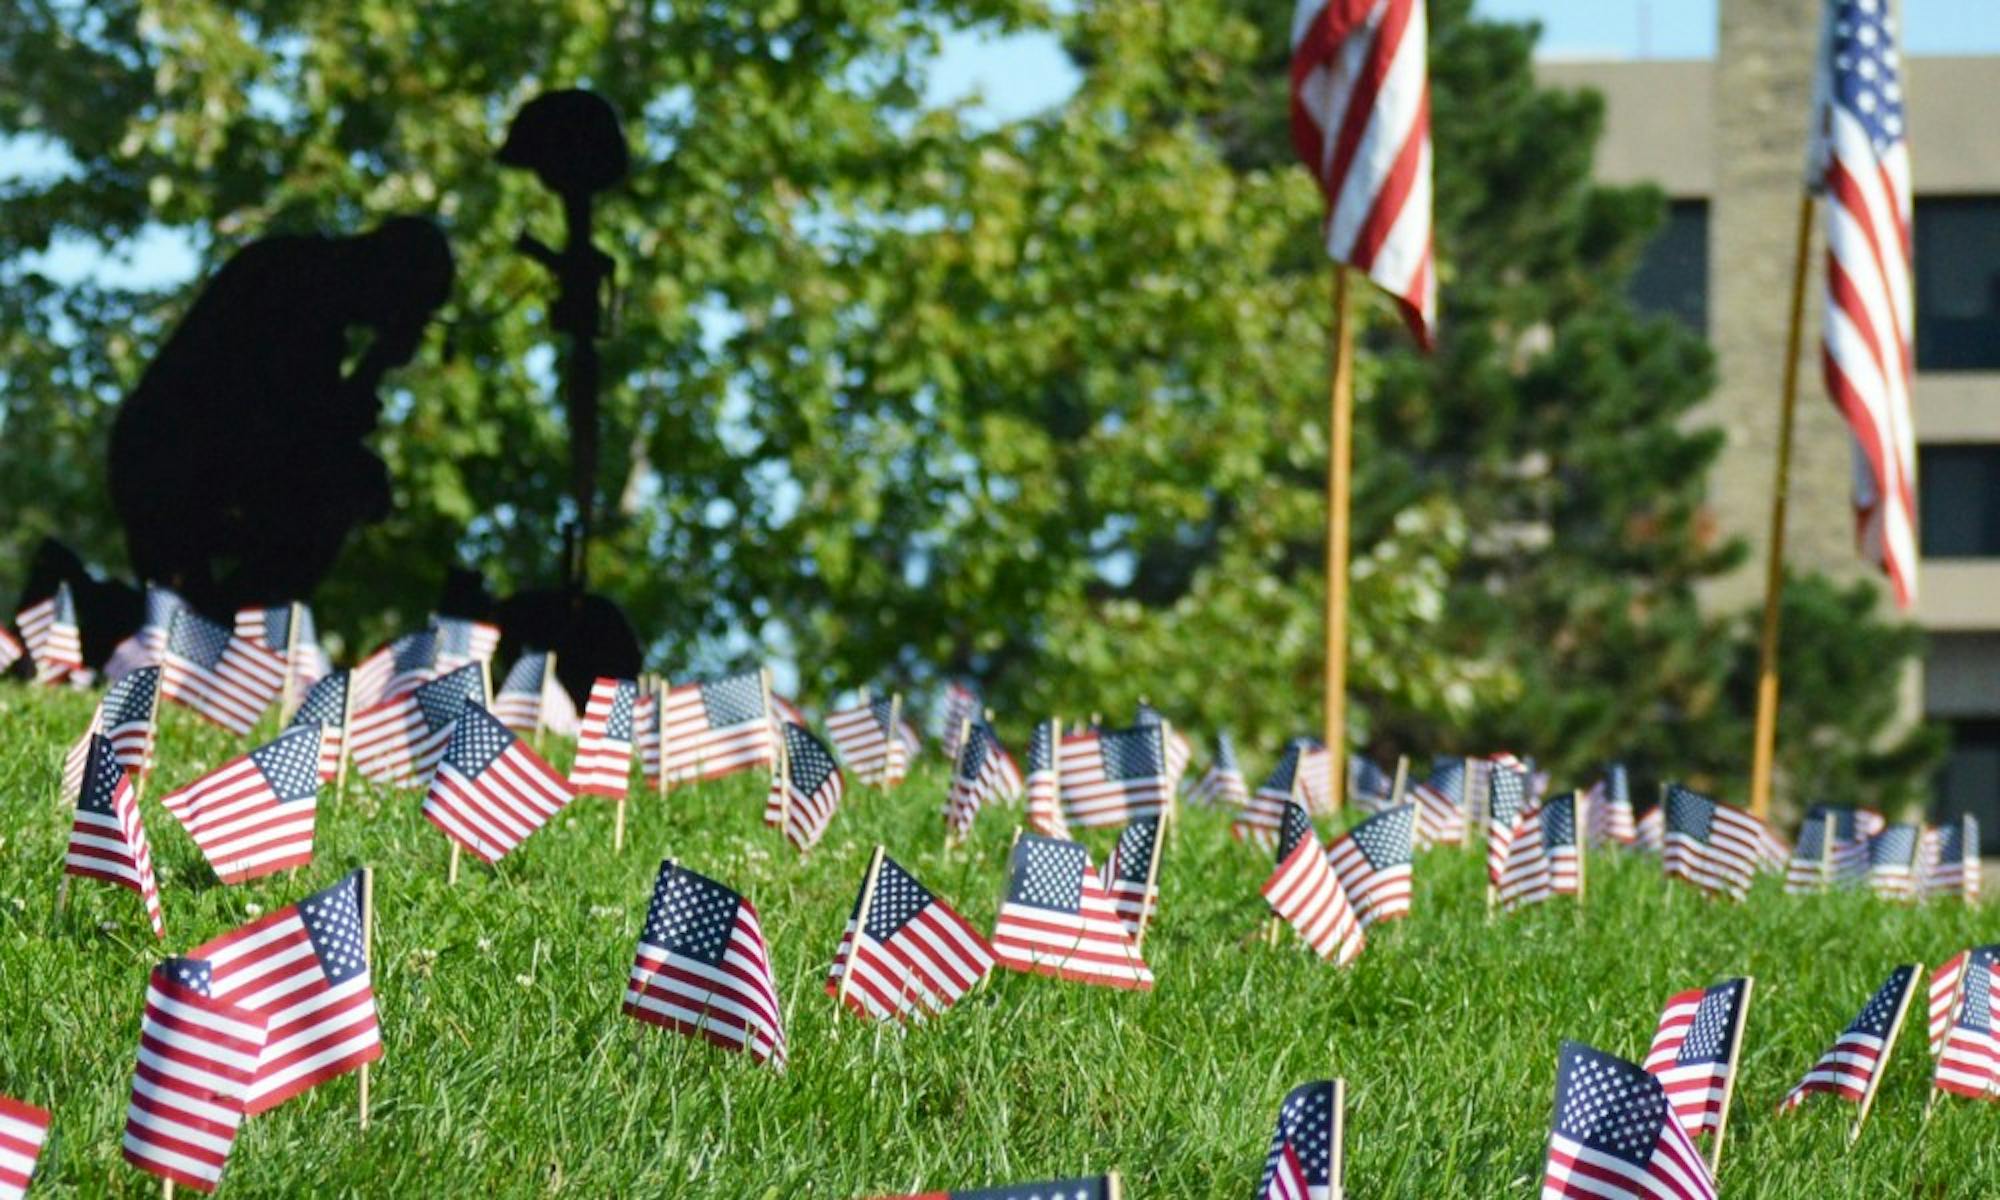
pixel 1695 1090
pixel 56 646
pixel 1306 893
pixel 1969 1060
pixel 495 811
pixel 1526 875
pixel 1945 982
pixel 241 825
pixel 925 968
pixel 112 847
pixel 23 1129
pixel 11 652
pixel 1727 861
pixel 1260 818
pixel 1675 1171
pixel 1377 895
pixel 1089 947
pixel 197 1059
pixel 603 764
pixel 1361 123
pixel 694 750
pixel 734 1005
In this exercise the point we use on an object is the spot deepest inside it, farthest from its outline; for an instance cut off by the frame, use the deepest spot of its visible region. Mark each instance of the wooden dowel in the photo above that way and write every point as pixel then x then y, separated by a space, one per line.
pixel 1888 1048
pixel 1337 1169
pixel 1339 483
pixel 451 870
pixel 368 958
pixel 1729 1082
pixel 860 923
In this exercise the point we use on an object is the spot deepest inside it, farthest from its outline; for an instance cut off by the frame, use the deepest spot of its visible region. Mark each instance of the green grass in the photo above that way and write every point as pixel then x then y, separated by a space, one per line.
pixel 510 1070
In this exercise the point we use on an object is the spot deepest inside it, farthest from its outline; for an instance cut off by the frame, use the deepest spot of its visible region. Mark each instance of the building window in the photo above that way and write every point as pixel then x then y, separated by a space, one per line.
pixel 1958 283
pixel 1673 272
pixel 1959 500
pixel 1970 779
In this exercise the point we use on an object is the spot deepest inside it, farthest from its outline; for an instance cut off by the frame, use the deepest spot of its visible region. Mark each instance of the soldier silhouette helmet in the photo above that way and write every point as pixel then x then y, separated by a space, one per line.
pixel 570 139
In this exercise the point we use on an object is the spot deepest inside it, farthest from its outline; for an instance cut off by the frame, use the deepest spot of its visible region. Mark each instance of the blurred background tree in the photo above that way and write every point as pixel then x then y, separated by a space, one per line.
pixel 895 391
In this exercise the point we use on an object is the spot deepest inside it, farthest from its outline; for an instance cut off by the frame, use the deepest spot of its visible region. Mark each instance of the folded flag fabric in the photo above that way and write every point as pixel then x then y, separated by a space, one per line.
pixel 399 741
pixel 11 652
pixel 127 718
pixel 1951 860
pixel 1850 1066
pixel 50 633
pixel 304 969
pixel 1307 894
pixel 1694 1051
pixel 1944 995
pixel 1057 919
pixel 1097 1187
pixel 532 700
pixel 1374 860
pixel 1179 751
pixel 703 968
pixel 1134 873
pixel 1315 772
pixel 1615 1136
pixel 144 647
pixel 1441 804
pixel 1893 861
pixel 805 790
pixel 275 630
pixel 908 953
pixel 1370 787
pixel 1525 875
pixel 869 736
pixel 1223 784
pixel 716 727
pixel 1969 1058
pixel 107 840
pixel 961 706
pixel 1562 842
pixel 1111 776
pixel 461 641
pixel 1045 815
pixel 1303 1162
pixel 980 777
pixel 1650 834
pixel 399 667
pixel 217 674
pixel 325 707
pixel 254 815
pixel 603 764
pixel 1716 847
pixel 1507 800
pixel 23 1130
pixel 1610 802
pixel 198 1056
pixel 491 790
pixel 1262 816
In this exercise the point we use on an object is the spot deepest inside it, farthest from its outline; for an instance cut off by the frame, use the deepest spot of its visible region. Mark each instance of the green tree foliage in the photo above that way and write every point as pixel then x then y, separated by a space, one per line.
pixel 1043 402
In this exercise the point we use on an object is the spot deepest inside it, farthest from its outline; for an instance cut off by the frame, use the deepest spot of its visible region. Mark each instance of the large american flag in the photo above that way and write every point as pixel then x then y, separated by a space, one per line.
pixel 703 968
pixel 1222 785
pixel 125 718
pixel 1857 1056
pixel 1361 123
pixel 1307 894
pixel 49 630
pixel 399 741
pixel 491 790
pixel 143 648
pixel 1693 1051
pixel 1373 861
pixel 23 1129
pixel 1134 874
pixel 1714 846
pixel 1096 1187
pixel 217 674
pixel 325 706
pixel 912 956
pixel 1263 813
pixel 1615 1135
pixel 1894 860
pixel 805 790
pixel 981 776
pixel 1057 919
pixel 198 1056
pixel 1860 164
pixel 1111 776
pixel 1045 814
pixel 106 839
pixel 1969 1053
pixel 1441 807
pixel 603 763
pixel 1303 1161
pixel 1951 860
pixel 716 727
pixel 532 700
pixel 869 737
pixel 254 815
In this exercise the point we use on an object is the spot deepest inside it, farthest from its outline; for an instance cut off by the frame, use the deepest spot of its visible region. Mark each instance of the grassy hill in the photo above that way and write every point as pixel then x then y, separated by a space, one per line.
pixel 510 1070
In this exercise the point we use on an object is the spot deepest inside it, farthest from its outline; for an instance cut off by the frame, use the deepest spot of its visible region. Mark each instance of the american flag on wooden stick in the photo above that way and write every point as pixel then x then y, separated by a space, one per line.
pixel 491 790
pixel 269 628
pixel 11 652
pixel 716 727
pixel 1649 835
pixel 125 717
pixel 1507 800
pixel 1969 1053
pixel 1894 861
pixel 1134 873
pixel 912 956
pixel 23 1129
pixel 805 790
pixel 873 739
pixel 1562 842
pixel 144 647
pixel 1307 894
pixel 603 764
pixel 1179 751
pixel 1858 1055
pixel 217 674
pixel 1944 995
pixel 1057 919
pixel 198 1056
pixel 982 776
pixel 304 969
pixel 961 704
pixel 532 700
pixel 1370 787
pixel 1045 815
pixel 325 707
pixel 1223 784
pixel 49 631
pixel 1715 847
pixel 461 640
pixel 1951 860
pixel 396 669
pixel 1096 1187
pixel 1615 1136
pixel 1525 877
pixel 1303 1162
pixel 1263 814
pixel 1112 776
pixel 1832 848
pixel 254 815
pixel 703 969
pixel 398 742
pixel 1610 803
pixel 1373 861
pixel 1693 1051
pixel 107 840
pixel 1441 806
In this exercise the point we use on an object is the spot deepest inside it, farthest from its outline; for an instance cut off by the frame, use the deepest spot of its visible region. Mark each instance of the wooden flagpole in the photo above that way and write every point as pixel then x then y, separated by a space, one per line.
pixel 860 923
pixel 367 957
pixel 1055 760
pixel 346 719
pixel 1400 786
pixel 661 688
pixel 1336 1169
pixel 1339 484
pixel 964 733
pixel 1765 748
pixel 895 742
pixel 1146 896
pixel 1888 1048
pixel 1729 1084
pixel 1581 811
pixel 1827 828
pixel 1113 1190
pixel 1475 824
pixel 1274 930
pixel 451 868
pixel 285 692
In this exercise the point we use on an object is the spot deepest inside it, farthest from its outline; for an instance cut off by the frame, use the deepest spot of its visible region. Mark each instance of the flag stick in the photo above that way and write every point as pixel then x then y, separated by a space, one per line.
pixel 860 923
pixel 1339 482
pixel 346 718
pixel 367 957
pixel 167 1188
pixel 618 827
pixel 1336 1170
pixel 1113 1190
pixel 1582 838
pixel 1888 1048
pixel 1474 813
pixel 1146 896
pixel 770 717
pixel 1826 852
pixel 451 869
pixel 1729 1084
pixel 1765 747
pixel 1274 929
pixel 285 692
pixel 661 688
pixel 783 782
pixel 895 743
pixel 964 734
pixel 486 683
pixel 1401 783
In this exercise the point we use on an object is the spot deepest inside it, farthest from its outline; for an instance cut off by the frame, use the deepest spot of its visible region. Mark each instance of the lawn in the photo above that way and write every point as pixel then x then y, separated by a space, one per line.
pixel 510 1070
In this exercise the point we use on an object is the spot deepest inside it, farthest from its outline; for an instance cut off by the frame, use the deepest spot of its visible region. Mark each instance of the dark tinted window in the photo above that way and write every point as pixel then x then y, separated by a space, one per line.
pixel 1673 274
pixel 1958 283
pixel 1970 780
pixel 1959 500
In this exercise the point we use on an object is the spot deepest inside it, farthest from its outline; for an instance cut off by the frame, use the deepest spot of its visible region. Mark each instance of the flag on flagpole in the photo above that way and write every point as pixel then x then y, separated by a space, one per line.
pixel 1525 874
pixel 144 647
pixel 1263 815
pixel 1305 1147
pixel 1507 802
pixel 50 633
pixel 869 741
pixel 1057 919
pixel 1441 804
pixel 1893 861
pixel 805 790
pixel 716 727
pixel 107 840
pixel 270 629
pixel 1045 814
pixel 491 790
pixel 217 674
pixel 23 1129
pixel 1969 1056
pixel 1112 776
pixel 462 641
pixel 1174 744
pixel 1951 860
pixel 197 1058
pixel 531 699
pixel 1611 818
pixel 1692 1052
pixel 1714 846
pixel 125 718
pixel 1223 784
pixel 397 668
pixel 1373 862
pixel 1650 834
pixel 603 765
pixel 1944 996
pixel 1307 894
pixel 325 707
pixel 1372 788
pixel 703 969
pixel 961 704
pixel 1134 873
pixel 1614 1136
pixel 399 741
pixel 913 956
pixel 253 816
pixel 1851 1064
pixel 981 776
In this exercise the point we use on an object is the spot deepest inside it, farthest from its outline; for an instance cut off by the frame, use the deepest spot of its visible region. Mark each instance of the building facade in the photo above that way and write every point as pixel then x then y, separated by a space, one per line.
pixel 1725 139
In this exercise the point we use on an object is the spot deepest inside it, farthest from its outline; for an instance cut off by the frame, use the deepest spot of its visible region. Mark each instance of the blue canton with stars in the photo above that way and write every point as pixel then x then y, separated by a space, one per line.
pixel 1225 752
pixel 1059 1189
pixel 1041 756
pixel 1609 1105
pixel 1133 753
pixel 1709 1038
pixel 325 703
pixel 1811 846
pixel 197 639
pixel 618 726
pixel 1975 1009
pixel 1296 827
pixel 807 759
pixel 1279 781
pixel 972 756
pixel 1448 779
pixel 278 628
pixel 1618 784
pixel 476 741
pixel 441 700
pixel 1387 839
pixel 898 900
pixel 1895 846
pixel 333 924
pixel 1881 1009
pixel 1559 822
pixel 101 777
pixel 131 698
pixel 1509 794
pixel 1867 81
pixel 1689 813
pixel 1305 1121
pixel 1047 874
pixel 1951 843
pixel 415 651
pixel 524 678
pixel 1133 859
pixel 691 915
pixel 195 974
pixel 733 700
pixel 291 764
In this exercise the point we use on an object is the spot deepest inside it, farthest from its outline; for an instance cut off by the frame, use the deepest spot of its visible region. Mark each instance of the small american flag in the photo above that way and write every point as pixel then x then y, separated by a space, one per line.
pixel 1715 847
pixel 1649 836
pixel 1373 861
pixel 913 956
pixel 217 674
pixel 1305 892
pixel 1849 1067
pixel 1969 1056
pixel 1045 814
pixel 961 704
pixel 1951 860
pixel 703 969
pixel 11 652
pixel 23 1129
pixel 1134 873
pixel 270 629
pixel 1058 920
pixel 325 706
pixel 125 718
pixel 1693 1051
pixel 603 764
pixel 1562 842
pixel 646 732
pixel 980 777
pixel 1097 1187
pixel 1372 788
pixel 1223 784
pixel 397 668
pixel 49 630
pixel 1525 875
pixel 143 648
pixel 398 742
pixel 806 789
pixel 491 790
pixel 107 840
pixel 1441 805
pixel 1944 995
pixel 1615 1137
pixel 1507 800
pixel 532 700
pixel 1112 776
pixel 461 641
pixel 1262 816
pixel 1302 1163
pixel 869 739
pixel 716 727
pixel 197 1058
pixel 1315 772
pixel 1893 862
pixel 1179 750
pixel 254 815
pixel 1611 821
pixel 304 968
